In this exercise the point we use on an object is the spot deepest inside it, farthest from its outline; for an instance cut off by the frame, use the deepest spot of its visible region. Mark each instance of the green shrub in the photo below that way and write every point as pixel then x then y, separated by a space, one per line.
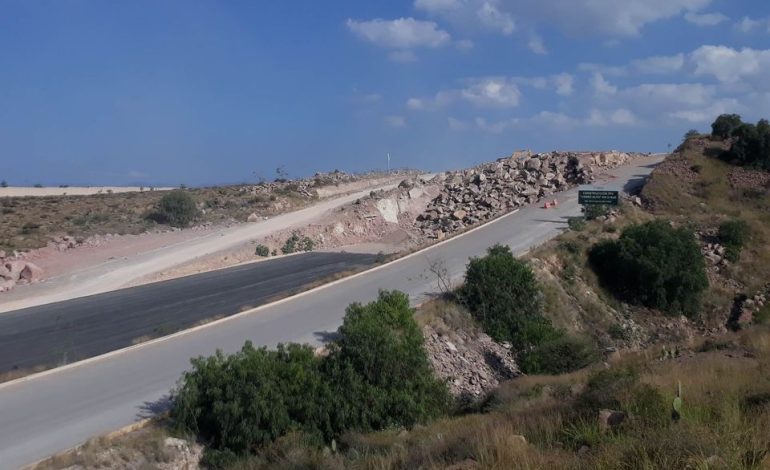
pixel 732 235
pixel 654 265
pixel 248 399
pixel 176 208
pixel 380 370
pixel 606 387
pixel 262 251
pixel 296 243
pixel 576 223
pixel 38 185
pixel 3 184
pixel 502 293
pixel 594 211
pixel 559 356
pixel 375 376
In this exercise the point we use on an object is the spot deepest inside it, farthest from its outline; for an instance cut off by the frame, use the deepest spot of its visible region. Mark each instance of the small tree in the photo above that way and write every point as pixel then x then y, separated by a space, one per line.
pixel 725 125
pixel 380 370
pixel 732 235
pixel 262 251
pixel 692 133
pixel 177 208
pixel 654 265
pixel 503 295
pixel 3 184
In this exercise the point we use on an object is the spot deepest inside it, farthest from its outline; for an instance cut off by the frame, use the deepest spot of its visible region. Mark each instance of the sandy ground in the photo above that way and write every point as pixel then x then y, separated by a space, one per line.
pixel 21 191
pixel 130 260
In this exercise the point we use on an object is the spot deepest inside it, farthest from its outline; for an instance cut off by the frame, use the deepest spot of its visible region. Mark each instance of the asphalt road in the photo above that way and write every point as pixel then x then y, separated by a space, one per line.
pixel 69 331
pixel 55 411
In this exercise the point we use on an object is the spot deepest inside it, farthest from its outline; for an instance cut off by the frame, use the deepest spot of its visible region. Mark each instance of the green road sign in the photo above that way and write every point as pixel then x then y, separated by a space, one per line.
pixel 598 198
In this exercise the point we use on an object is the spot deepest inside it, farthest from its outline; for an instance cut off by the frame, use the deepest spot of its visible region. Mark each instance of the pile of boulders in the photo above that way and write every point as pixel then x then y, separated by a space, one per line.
pixel 492 189
pixel 745 307
pixel 714 253
pixel 14 270
pixel 472 363
pixel 307 186
pixel 65 242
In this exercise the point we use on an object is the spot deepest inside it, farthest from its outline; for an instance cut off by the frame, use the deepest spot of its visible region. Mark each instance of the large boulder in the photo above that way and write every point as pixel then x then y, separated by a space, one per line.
pixel 31 273
pixel 14 269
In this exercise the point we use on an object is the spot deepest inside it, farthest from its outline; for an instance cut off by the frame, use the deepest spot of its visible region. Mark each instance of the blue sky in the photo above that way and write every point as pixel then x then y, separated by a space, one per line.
pixel 203 92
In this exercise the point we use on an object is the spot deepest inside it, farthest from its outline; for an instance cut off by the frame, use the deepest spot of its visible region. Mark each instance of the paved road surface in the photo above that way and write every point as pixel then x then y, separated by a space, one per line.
pixel 53 412
pixel 69 331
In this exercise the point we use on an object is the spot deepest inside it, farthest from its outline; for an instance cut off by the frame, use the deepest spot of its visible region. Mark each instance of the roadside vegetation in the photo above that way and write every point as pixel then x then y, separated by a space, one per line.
pixel 374 376
pixel 619 324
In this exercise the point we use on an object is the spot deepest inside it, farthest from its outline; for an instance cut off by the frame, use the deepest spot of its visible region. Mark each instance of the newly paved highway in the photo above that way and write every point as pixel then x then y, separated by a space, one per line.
pixel 63 332
pixel 55 411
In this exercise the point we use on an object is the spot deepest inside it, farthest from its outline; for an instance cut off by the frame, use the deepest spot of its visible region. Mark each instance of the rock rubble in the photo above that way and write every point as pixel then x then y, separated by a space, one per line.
pixel 472 364
pixel 492 189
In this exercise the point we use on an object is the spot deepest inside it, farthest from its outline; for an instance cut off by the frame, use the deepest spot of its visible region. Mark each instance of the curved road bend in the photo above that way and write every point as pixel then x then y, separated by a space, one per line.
pixel 53 412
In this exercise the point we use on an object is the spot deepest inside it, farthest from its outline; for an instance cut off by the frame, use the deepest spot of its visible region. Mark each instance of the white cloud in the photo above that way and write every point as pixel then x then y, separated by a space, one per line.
pixel 659 64
pixel 613 18
pixel 564 84
pixel 618 117
pixel 401 33
pixel 706 114
pixel 415 103
pixel 732 66
pixel 601 86
pixel 705 19
pixel 492 92
pixel 491 17
pixel 397 122
pixel 403 57
pixel 749 25
pixel 536 45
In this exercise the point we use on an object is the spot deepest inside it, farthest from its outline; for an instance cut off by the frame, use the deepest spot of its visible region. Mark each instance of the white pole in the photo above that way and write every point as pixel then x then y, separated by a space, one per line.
pixel 388 162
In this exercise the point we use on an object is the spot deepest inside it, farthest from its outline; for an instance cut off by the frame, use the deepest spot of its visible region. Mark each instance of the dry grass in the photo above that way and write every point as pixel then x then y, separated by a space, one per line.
pixel 30 222
pixel 724 424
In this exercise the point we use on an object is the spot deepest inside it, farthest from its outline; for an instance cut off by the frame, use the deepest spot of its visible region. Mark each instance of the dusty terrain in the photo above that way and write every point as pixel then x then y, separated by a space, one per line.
pixel 107 262
pixel 27 191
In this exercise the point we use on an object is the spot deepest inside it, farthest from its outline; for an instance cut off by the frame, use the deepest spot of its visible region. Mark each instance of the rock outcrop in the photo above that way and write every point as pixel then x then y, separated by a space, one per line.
pixel 477 194
pixel 473 364
pixel 14 270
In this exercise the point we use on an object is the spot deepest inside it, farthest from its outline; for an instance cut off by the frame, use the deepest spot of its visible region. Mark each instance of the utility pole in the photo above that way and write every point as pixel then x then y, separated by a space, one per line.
pixel 388 162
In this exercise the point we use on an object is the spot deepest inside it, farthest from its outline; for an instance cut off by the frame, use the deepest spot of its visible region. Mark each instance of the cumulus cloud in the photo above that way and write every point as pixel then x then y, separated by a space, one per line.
pixel 705 19
pixel 491 92
pixel 610 18
pixel 401 33
pixel 601 86
pixel 750 25
pixel 731 65
pixel 613 18
pixel 536 44
pixel 492 18
pixel 564 84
